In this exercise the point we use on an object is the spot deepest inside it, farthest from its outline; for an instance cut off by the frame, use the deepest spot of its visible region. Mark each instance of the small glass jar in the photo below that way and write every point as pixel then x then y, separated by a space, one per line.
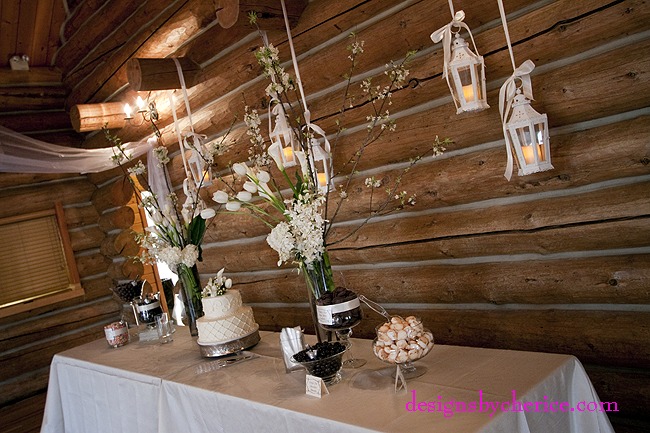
pixel 117 334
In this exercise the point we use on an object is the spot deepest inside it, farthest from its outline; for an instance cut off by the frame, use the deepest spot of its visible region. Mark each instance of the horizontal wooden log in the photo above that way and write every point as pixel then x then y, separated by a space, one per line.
pixel 629 388
pixel 20 414
pixel 93 117
pixel 40 355
pixel 127 270
pixel 21 179
pixel 256 256
pixel 161 74
pixel 89 265
pixel 114 194
pixel 598 280
pixel 36 76
pixel 326 23
pixel 39 197
pixel 96 288
pixel 23 332
pixel 596 337
pixel 34 121
pixel 483 170
pixel 109 17
pixel 122 243
pixel 82 215
pixel 120 218
pixel 583 26
pixel 31 98
pixel 88 238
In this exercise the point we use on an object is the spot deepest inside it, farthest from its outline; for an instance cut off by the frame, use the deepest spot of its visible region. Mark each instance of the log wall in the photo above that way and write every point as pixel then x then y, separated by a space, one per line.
pixel 556 261
pixel 29 340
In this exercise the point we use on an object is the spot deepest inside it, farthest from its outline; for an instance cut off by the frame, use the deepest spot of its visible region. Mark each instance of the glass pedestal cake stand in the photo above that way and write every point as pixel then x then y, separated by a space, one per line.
pixel 230 347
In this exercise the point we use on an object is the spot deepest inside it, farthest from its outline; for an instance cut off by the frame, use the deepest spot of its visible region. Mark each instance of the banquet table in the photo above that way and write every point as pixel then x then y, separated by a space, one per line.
pixel 170 388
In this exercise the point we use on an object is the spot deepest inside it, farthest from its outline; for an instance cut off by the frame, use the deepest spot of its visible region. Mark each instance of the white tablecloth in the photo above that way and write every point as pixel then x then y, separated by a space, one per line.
pixel 167 388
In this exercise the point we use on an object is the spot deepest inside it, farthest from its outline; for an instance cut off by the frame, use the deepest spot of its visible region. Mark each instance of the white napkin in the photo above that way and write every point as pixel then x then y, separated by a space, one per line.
pixel 292 341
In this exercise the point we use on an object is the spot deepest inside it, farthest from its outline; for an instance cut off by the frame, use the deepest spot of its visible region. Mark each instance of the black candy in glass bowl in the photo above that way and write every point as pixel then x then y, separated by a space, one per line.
pixel 323 360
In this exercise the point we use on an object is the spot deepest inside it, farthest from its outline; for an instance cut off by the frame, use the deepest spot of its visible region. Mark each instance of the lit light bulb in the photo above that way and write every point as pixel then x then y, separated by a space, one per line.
pixel 127 111
pixel 140 103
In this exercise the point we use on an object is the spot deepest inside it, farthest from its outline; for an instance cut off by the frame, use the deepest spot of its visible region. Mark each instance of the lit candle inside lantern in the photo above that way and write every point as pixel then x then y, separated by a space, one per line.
pixel 127 111
pixel 322 180
pixel 529 157
pixel 288 154
pixel 468 93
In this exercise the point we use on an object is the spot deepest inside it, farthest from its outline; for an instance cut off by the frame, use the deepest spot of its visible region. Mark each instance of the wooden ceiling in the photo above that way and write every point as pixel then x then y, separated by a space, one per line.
pixel 79 50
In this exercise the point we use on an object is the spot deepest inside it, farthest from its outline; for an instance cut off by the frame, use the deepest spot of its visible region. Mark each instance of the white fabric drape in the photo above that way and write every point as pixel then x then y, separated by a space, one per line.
pixel 22 154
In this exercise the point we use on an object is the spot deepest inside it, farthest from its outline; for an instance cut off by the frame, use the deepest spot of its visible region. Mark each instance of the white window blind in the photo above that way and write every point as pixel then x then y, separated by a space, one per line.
pixel 32 259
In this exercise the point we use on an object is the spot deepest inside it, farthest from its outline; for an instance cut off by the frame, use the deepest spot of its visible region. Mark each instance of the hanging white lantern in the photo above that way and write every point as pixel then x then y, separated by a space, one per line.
pixel 528 134
pixel 467 83
pixel 322 166
pixel 284 135
pixel 524 129
pixel 463 68
pixel 196 163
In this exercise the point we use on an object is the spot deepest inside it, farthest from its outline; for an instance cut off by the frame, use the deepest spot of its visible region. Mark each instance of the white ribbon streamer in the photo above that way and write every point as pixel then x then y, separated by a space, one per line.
pixel 509 90
pixel 309 127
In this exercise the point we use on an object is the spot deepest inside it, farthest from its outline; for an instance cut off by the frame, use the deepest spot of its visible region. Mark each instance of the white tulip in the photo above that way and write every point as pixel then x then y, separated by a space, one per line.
pixel 233 206
pixel 220 197
pixel 250 187
pixel 228 283
pixel 208 213
pixel 240 169
pixel 275 151
pixel 263 176
pixel 244 196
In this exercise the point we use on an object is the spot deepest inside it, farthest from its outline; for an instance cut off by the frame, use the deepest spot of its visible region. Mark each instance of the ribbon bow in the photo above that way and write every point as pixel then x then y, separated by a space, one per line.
pixel 506 94
pixel 444 34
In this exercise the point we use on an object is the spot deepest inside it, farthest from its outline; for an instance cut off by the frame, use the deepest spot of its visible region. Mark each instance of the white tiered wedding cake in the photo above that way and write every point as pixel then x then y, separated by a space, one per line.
pixel 225 319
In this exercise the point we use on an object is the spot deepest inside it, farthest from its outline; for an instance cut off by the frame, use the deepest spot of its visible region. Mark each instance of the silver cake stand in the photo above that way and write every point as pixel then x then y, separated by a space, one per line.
pixel 230 347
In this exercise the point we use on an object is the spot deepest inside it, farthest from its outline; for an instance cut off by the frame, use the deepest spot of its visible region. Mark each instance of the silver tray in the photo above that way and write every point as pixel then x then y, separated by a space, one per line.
pixel 230 347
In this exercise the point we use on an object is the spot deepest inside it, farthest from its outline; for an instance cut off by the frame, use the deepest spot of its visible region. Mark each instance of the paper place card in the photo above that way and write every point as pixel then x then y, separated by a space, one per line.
pixel 315 386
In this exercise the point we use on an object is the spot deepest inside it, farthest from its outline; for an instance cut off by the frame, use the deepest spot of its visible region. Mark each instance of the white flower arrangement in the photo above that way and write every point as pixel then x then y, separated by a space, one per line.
pixel 217 286
pixel 299 227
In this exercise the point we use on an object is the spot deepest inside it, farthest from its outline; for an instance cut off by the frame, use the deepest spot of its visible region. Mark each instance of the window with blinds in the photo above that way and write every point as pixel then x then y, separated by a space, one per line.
pixel 34 263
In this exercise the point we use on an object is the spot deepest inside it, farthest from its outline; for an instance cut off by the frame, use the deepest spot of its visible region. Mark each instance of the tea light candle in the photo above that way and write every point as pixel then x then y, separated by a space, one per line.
pixel 288 154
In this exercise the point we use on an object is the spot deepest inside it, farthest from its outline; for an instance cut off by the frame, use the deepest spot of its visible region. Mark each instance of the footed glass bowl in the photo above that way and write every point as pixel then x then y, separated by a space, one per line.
pixel 328 367
pixel 401 342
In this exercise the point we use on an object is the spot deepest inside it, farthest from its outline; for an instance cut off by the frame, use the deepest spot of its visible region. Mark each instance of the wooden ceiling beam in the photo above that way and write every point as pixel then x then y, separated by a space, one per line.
pixel 38 76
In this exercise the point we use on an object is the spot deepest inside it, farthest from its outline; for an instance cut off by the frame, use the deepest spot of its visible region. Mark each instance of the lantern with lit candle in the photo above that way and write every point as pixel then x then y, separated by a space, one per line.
pixel 321 164
pixel 283 134
pixel 467 77
pixel 201 174
pixel 528 133
pixel 463 68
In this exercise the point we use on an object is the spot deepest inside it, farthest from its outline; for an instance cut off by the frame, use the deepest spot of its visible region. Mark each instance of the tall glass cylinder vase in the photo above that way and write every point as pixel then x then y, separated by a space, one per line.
pixel 319 279
pixel 191 285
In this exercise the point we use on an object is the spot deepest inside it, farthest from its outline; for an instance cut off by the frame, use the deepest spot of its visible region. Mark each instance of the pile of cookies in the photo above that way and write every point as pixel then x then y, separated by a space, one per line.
pixel 402 340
